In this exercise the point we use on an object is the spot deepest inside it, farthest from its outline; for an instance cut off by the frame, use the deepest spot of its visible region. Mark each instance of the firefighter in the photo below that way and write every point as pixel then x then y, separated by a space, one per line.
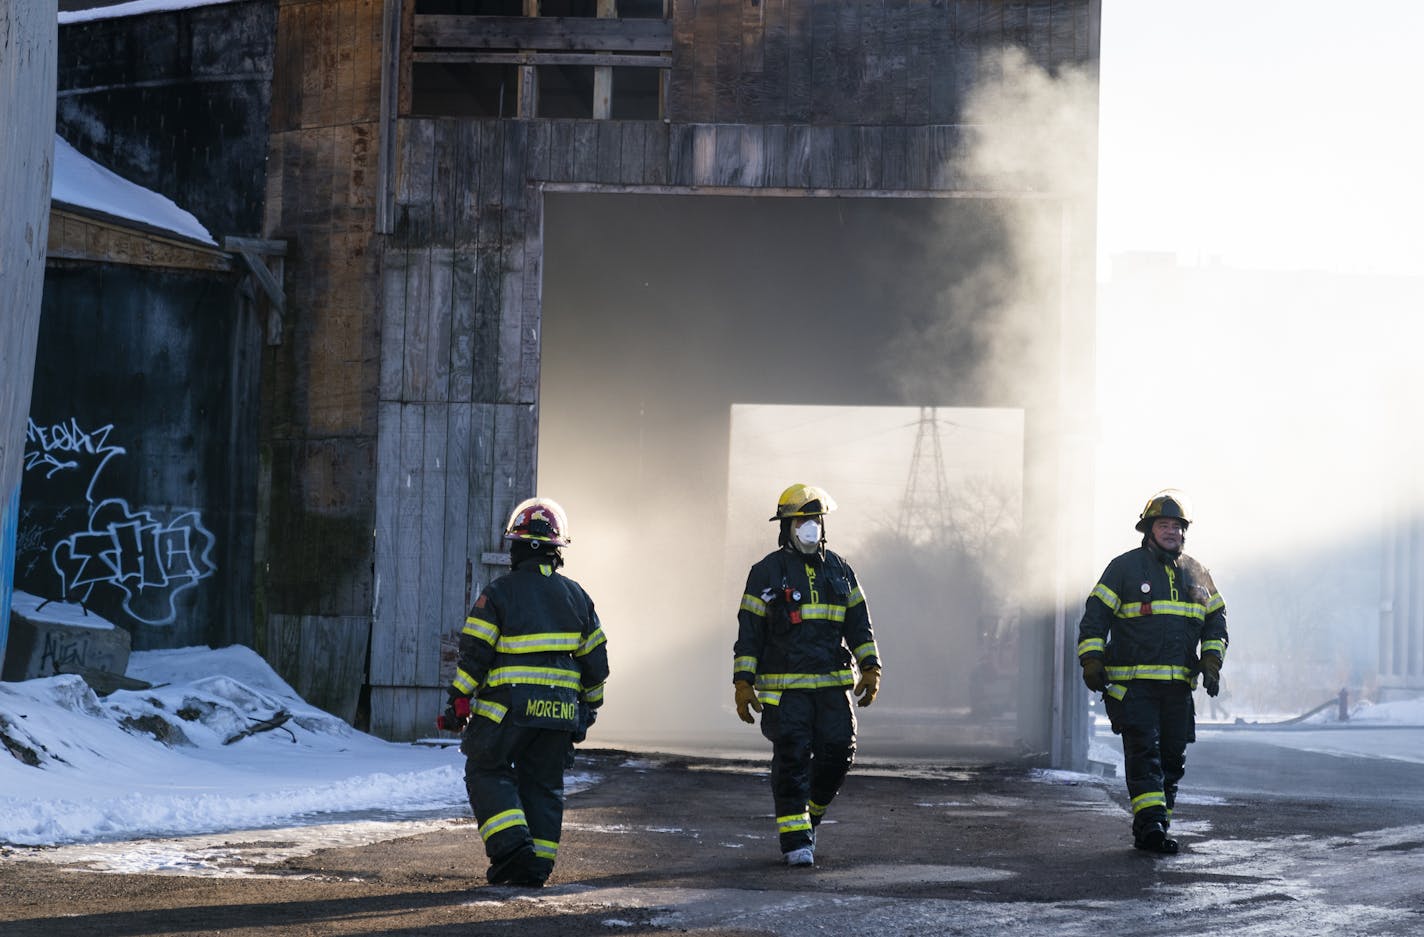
pixel 533 661
pixel 1153 623
pixel 802 623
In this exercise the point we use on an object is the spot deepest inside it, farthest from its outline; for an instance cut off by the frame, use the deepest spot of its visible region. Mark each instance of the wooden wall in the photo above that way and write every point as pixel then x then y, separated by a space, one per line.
pixel 318 451
pixel 28 38
pixel 460 282
pixel 880 63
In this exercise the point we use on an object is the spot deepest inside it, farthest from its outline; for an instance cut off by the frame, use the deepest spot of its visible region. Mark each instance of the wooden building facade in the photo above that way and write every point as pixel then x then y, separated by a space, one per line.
pixel 412 147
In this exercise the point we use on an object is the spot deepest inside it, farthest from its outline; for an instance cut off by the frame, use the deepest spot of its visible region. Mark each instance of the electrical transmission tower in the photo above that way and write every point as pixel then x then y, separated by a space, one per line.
pixel 926 503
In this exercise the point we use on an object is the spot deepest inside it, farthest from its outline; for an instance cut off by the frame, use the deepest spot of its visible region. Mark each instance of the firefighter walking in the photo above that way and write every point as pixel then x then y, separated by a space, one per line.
pixel 803 623
pixel 533 661
pixel 1153 623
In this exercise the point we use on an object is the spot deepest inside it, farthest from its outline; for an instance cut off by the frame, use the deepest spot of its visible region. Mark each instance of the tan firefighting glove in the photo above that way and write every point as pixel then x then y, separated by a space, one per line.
pixel 867 686
pixel 746 697
pixel 1211 674
pixel 1095 675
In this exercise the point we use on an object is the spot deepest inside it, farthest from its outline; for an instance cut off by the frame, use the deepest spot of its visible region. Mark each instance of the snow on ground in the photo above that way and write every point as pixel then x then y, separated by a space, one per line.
pixel 158 762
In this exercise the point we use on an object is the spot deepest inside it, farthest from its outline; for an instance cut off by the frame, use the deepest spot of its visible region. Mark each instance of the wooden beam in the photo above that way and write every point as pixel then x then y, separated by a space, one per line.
pixel 576 33
pixel 548 58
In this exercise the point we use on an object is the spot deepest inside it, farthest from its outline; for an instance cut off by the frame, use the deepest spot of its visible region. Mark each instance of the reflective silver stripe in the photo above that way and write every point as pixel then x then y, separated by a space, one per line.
pixel 464 683
pixel 593 694
pixel 868 649
pixel 501 821
pixel 756 606
pixel 1149 799
pixel 1215 602
pixel 856 597
pixel 823 612
pixel 479 628
pixel 744 665
pixel 1216 645
pixel 1149 672
pixel 769 697
pixel 567 641
pixel 793 823
pixel 494 712
pixel 1088 645
pixel 546 848
pixel 1180 609
pixel 804 681
pixel 540 676
pixel 1106 596
pixel 591 642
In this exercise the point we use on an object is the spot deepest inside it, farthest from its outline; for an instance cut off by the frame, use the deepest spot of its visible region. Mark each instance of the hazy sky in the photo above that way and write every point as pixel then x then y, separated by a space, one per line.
pixel 1281 134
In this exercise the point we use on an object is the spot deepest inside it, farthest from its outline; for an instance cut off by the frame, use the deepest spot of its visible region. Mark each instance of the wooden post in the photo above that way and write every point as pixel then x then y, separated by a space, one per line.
pixel 603 74
pixel 29 34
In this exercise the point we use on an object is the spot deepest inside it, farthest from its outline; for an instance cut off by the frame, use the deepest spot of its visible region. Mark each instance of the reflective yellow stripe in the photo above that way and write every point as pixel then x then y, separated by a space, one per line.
pixel 804 681
pixel 744 665
pixel 823 612
pixel 494 712
pixel 1214 645
pixel 546 849
pixel 856 597
pixel 769 697
pixel 1150 799
pixel 500 822
pixel 479 628
pixel 756 606
pixel 1149 672
pixel 868 649
pixel 1215 602
pixel 815 809
pixel 464 683
pixel 1105 595
pixel 1116 691
pixel 1182 609
pixel 567 641
pixel 541 676
pixel 1088 645
pixel 793 823
pixel 591 642
pixel 593 694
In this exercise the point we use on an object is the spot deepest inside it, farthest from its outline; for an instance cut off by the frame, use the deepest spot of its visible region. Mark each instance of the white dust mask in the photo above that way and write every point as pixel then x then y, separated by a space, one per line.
pixel 808 536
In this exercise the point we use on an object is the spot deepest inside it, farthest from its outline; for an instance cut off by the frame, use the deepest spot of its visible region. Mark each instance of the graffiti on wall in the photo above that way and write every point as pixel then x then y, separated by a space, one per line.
pixel 150 560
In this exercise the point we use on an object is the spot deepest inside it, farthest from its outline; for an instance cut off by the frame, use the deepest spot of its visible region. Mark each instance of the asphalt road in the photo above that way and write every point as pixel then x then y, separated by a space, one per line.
pixel 1275 841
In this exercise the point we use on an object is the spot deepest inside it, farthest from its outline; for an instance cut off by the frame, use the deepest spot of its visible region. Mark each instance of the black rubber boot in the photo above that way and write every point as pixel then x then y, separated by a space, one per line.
pixel 1153 838
pixel 520 867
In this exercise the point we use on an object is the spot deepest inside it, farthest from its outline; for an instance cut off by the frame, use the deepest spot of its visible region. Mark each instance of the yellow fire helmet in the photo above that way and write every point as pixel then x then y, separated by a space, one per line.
pixel 1169 502
pixel 538 520
pixel 803 501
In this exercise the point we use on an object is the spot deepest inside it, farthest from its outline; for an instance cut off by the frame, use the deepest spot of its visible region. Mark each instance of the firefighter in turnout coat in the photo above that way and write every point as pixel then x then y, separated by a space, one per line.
pixel 803 621
pixel 533 661
pixel 1151 625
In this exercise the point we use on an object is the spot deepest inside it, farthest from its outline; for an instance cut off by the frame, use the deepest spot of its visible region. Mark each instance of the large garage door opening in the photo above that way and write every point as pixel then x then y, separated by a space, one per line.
pixel 701 353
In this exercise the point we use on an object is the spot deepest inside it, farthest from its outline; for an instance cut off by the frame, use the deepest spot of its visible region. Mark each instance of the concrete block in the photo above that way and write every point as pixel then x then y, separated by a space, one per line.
pixel 47 638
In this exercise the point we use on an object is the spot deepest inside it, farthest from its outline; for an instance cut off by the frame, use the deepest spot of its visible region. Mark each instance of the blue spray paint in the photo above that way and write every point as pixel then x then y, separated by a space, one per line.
pixel 9 523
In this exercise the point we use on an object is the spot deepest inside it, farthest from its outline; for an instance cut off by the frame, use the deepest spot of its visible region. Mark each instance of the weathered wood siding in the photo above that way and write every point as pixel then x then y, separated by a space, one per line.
pixel 318 450
pixel 791 97
pixel 858 62
pixel 28 40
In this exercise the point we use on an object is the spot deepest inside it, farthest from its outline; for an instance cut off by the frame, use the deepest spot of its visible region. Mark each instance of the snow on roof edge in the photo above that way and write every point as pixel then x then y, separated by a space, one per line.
pixel 133 8
pixel 83 183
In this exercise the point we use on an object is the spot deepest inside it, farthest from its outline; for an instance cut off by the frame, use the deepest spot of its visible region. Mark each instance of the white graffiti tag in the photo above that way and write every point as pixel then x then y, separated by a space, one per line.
pixel 152 562
pixel 59 448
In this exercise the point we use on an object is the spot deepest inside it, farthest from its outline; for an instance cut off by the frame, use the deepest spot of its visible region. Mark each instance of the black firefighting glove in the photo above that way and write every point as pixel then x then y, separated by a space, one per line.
pixel 587 716
pixel 455 716
pixel 1095 675
pixel 867 686
pixel 1211 674
pixel 746 697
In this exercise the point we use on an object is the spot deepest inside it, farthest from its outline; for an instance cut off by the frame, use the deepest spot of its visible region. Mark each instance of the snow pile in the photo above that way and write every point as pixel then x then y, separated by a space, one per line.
pixel 220 742
pixel 81 182
pixel 132 8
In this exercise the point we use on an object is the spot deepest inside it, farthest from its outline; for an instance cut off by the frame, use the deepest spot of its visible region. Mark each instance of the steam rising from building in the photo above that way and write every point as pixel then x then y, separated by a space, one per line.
pixel 702 352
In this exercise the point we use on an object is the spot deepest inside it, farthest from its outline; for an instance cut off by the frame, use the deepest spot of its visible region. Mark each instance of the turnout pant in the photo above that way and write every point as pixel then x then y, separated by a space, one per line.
pixel 514 776
pixel 1157 720
pixel 812 734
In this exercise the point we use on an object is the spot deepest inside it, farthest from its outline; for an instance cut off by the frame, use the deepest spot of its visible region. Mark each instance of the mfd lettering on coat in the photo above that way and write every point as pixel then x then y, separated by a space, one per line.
pixel 550 709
